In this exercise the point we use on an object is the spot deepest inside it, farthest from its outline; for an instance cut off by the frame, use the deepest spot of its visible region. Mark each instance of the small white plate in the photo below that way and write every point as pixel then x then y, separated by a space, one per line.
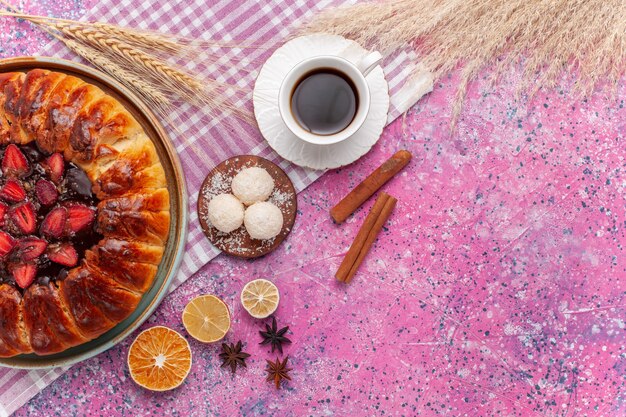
pixel 280 138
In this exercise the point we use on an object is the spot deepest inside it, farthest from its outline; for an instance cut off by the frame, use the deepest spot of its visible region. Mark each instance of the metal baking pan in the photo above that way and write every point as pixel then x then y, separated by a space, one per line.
pixel 175 246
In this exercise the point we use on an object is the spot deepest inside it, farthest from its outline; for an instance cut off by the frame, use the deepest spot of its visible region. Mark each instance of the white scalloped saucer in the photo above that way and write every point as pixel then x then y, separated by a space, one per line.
pixel 280 138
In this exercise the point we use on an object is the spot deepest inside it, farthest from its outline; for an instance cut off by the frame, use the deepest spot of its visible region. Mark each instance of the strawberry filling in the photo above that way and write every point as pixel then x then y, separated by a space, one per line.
pixel 47 216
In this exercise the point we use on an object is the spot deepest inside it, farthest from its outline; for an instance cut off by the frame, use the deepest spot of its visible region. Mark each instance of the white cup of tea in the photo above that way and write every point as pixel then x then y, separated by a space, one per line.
pixel 326 99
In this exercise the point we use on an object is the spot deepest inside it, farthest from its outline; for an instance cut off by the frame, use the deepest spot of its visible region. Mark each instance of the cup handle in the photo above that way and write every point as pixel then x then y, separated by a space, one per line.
pixel 368 63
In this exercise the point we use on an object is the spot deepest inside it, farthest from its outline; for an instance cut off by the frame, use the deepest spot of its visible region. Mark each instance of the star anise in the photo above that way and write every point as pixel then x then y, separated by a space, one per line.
pixel 274 336
pixel 233 356
pixel 277 371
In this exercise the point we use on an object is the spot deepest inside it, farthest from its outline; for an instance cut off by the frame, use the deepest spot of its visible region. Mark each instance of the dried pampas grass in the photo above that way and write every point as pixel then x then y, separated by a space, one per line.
pixel 548 38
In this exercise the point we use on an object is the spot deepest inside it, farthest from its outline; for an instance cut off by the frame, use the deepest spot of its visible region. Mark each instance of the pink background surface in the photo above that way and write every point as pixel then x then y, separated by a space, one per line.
pixel 497 288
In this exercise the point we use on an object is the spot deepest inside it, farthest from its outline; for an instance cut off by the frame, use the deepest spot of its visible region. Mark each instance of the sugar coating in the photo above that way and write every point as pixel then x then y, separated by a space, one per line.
pixel 225 212
pixel 252 185
pixel 263 220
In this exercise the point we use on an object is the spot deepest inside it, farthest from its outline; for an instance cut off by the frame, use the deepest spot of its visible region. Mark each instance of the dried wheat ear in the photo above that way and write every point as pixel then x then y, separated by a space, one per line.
pixel 146 62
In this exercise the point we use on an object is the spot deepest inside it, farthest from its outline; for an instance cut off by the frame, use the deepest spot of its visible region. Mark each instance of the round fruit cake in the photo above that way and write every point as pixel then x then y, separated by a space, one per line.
pixel 84 212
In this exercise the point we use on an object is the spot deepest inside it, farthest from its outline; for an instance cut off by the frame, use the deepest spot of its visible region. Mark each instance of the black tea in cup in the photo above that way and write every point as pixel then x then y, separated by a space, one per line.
pixel 324 101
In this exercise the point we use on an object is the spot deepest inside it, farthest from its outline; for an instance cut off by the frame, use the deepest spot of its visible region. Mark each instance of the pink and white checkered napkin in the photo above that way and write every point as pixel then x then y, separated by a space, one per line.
pixel 201 146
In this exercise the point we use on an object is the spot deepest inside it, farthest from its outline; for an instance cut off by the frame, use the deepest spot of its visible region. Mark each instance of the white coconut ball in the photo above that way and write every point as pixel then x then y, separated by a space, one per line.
pixel 263 220
pixel 252 185
pixel 225 212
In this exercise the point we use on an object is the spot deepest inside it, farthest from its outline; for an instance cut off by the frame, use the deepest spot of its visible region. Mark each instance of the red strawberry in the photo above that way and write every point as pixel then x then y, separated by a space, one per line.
pixel 14 161
pixel 56 166
pixel 23 216
pixel 30 248
pixel 3 211
pixel 24 274
pixel 12 192
pixel 6 244
pixel 54 223
pixel 46 192
pixel 79 217
pixel 63 254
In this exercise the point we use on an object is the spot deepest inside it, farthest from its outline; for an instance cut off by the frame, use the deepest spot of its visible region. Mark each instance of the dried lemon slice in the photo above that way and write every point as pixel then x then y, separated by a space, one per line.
pixel 159 359
pixel 260 298
pixel 206 318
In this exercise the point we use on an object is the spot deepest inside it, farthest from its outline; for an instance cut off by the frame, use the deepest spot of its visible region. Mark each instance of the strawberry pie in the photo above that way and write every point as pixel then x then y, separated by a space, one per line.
pixel 84 212
pixel 46 217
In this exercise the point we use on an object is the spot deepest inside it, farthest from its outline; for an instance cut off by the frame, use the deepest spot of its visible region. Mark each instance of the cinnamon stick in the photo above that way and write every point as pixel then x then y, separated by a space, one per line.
pixel 372 235
pixel 370 185
pixel 378 215
pixel 361 237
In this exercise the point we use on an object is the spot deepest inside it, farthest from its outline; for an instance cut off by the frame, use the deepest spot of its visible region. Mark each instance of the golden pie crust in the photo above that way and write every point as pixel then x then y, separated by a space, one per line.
pixel 64 114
